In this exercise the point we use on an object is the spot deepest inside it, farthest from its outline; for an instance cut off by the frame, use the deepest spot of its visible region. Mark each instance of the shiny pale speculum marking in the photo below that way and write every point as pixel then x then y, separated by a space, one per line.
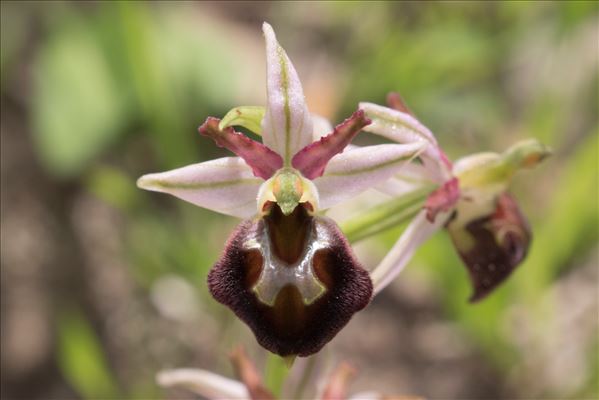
pixel 277 274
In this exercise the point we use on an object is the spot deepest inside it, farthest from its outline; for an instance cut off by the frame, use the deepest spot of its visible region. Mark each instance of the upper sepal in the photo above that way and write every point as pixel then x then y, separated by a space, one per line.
pixel 287 123
pixel 292 279
pixel 492 246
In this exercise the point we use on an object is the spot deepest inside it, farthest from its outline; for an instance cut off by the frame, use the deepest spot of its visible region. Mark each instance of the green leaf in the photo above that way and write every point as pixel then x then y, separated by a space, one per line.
pixel 81 358
pixel 77 105
pixel 114 187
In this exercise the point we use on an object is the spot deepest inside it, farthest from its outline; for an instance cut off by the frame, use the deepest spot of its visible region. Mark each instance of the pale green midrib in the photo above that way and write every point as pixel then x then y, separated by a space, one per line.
pixel 356 235
pixel 285 87
pixel 410 179
pixel 384 214
pixel 201 185
pixel 369 169
pixel 386 120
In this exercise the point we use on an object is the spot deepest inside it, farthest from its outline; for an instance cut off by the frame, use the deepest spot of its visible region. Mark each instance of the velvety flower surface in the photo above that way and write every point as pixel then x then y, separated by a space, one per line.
pixel 295 296
pixel 287 271
pixel 486 226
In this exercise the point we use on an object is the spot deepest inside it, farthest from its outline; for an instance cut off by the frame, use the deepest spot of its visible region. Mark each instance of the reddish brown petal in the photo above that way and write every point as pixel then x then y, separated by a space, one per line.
pixel 248 374
pixel 442 199
pixel 396 102
pixel 339 381
pixel 500 243
pixel 289 325
pixel 312 159
pixel 263 161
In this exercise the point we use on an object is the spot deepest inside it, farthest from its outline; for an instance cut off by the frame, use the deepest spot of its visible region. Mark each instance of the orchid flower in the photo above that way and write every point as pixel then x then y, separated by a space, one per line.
pixel 286 271
pixel 471 201
pixel 250 385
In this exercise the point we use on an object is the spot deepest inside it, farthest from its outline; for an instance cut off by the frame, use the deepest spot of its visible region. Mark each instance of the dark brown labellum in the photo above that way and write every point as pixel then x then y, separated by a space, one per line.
pixel 493 246
pixel 293 279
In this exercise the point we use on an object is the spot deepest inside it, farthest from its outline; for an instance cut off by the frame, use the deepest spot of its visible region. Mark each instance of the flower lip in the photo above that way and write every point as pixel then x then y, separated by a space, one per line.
pixel 293 279
pixel 493 246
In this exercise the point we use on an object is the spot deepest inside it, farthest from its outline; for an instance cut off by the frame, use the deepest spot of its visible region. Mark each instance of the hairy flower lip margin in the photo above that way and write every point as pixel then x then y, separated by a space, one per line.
pixel 290 326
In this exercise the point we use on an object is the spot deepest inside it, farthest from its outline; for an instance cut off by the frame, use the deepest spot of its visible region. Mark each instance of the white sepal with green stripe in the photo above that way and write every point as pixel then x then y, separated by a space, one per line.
pixel 287 124
pixel 396 125
pixel 360 168
pixel 225 185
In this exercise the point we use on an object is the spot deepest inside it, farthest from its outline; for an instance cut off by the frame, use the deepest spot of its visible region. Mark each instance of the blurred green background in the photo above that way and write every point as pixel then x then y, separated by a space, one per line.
pixel 103 285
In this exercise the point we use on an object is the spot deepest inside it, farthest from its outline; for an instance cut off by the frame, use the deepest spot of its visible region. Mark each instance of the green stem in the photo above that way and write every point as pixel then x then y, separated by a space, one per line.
pixel 391 222
pixel 385 216
pixel 306 373
pixel 275 373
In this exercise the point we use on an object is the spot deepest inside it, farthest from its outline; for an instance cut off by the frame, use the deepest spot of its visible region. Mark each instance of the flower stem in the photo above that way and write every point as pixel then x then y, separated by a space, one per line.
pixel 305 377
pixel 385 216
pixel 275 373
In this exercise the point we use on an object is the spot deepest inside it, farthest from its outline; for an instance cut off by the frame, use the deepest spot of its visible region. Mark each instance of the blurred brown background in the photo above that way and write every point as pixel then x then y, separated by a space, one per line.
pixel 103 285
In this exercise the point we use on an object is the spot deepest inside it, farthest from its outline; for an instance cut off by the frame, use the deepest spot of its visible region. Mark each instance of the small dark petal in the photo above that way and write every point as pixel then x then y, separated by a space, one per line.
pixel 312 159
pixel 338 382
pixel 290 325
pixel 501 242
pixel 396 102
pixel 442 199
pixel 263 161
pixel 247 373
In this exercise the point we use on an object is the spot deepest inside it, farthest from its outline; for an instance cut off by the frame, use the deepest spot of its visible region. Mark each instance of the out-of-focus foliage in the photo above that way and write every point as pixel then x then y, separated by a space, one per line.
pixel 82 359
pixel 107 91
pixel 127 66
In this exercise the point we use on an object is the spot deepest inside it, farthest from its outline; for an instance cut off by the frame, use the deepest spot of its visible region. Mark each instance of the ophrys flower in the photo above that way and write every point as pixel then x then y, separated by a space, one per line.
pixel 471 200
pixel 287 271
